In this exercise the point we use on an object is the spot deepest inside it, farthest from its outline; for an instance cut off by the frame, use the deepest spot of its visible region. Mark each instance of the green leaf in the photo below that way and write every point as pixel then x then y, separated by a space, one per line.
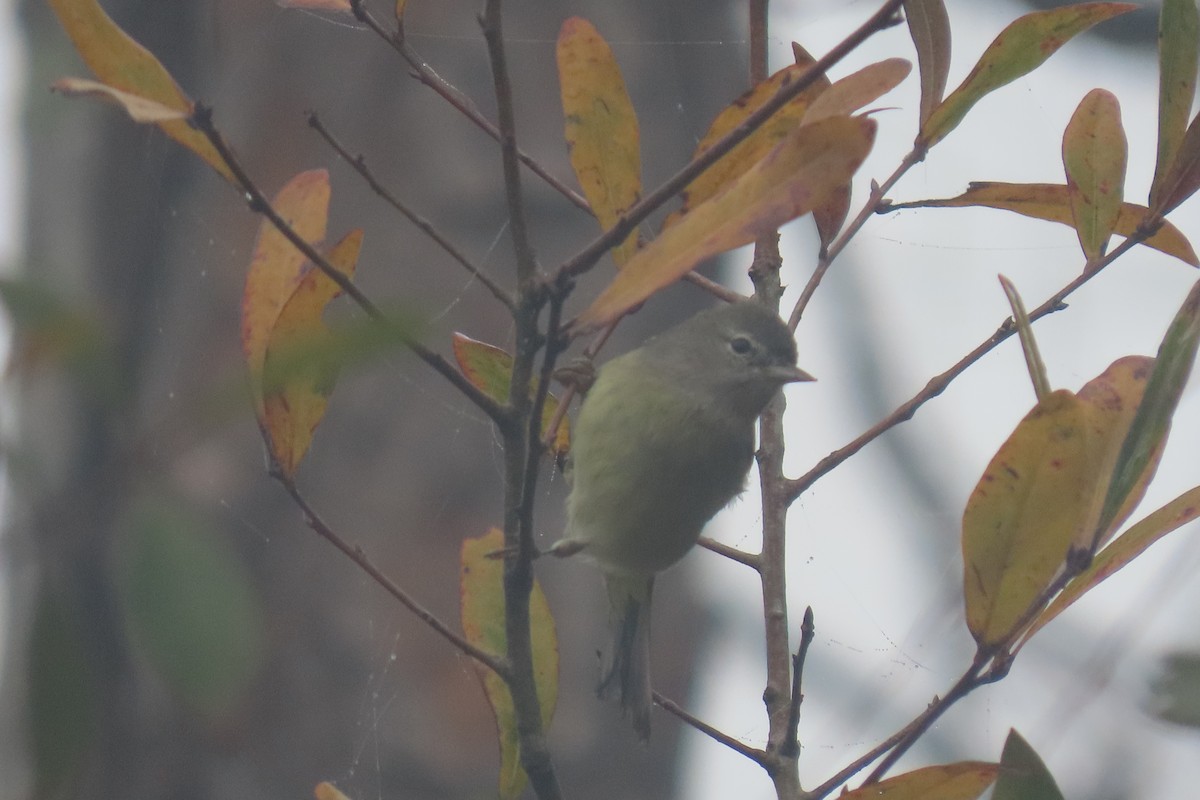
pixel 1023 774
pixel 964 780
pixel 1094 154
pixel 1019 49
pixel 482 590
pixel 1175 692
pixel 190 607
pixel 1033 358
pixel 1178 34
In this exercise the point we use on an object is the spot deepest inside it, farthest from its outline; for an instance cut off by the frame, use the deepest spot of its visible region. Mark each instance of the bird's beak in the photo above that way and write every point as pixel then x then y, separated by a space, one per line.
pixel 791 374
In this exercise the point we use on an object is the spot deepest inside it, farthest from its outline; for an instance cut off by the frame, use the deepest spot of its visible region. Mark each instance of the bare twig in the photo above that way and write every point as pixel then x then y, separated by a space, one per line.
pixel 752 753
pixel 257 201
pixel 791 744
pixel 359 164
pixel 751 560
pixel 360 559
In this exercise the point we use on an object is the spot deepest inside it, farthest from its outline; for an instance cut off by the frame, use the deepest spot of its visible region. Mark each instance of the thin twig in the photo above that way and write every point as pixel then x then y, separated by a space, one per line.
pixel 791 744
pixel 257 201
pixel 752 753
pixel 751 560
pixel 360 559
pixel 359 164
pixel 884 18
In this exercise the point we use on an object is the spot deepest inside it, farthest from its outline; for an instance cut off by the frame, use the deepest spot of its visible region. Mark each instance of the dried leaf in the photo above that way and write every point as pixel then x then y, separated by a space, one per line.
pixel 601 127
pixel 1019 49
pixel 1094 155
pixel 277 266
pixel 124 65
pixel 965 780
pixel 929 26
pixel 482 591
pixel 298 372
pixel 1051 202
pixel 1178 43
pixel 139 109
pixel 797 176
pixel 490 368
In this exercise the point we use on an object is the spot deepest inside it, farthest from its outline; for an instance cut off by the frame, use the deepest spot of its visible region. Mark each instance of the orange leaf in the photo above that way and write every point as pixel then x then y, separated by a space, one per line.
pixel 1052 202
pixel 1094 155
pixel 965 780
pixel 278 265
pixel 601 127
pixel 482 591
pixel 1019 49
pixel 800 174
pixel 756 145
pixel 124 65
pixel 139 109
pixel 298 371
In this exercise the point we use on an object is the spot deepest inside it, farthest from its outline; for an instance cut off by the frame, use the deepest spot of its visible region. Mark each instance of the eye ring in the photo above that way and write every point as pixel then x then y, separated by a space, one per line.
pixel 741 345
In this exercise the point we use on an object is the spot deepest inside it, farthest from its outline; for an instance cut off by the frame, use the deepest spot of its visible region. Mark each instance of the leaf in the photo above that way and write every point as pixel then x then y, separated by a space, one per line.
pixel 831 215
pixel 800 174
pixel 755 146
pixel 1178 40
pixel 1023 516
pixel 1094 156
pixel 1033 358
pixel 1019 49
pixel 277 267
pixel 482 589
pixel 327 791
pixel 490 368
pixel 1175 692
pixel 1051 202
pixel 854 91
pixel 139 109
pixel 1122 550
pixel 125 66
pixel 60 703
pixel 929 26
pixel 189 605
pixel 340 6
pixel 1185 177
pixel 298 376
pixel 964 780
pixel 400 4
pixel 1023 774
pixel 601 127
pixel 1148 431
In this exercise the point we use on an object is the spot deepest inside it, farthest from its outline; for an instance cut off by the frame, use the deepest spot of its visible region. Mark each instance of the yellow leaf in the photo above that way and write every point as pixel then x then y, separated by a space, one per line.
pixel 124 65
pixel 139 109
pixel 1052 202
pixel 298 371
pixel 482 591
pixel 1094 155
pixel 964 780
pixel 757 144
pixel 1023 516
pixel 277 266
pixel 1019 49
pixel 490 369
pixel 800 174
pixel 601 127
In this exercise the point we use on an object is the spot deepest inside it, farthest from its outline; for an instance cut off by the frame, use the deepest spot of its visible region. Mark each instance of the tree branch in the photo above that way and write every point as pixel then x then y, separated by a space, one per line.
pixel 752 753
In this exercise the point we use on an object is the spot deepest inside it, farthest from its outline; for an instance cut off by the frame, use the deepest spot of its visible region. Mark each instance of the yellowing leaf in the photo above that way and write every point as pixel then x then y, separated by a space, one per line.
pixel 1178 34
pixel 1184 178
pixel 1023 516
pixel 800 174
pixel 1019 49
pixel 277 266
pixel 490 369
pixel 124 65
pixel 1094 155
pixel 965 780
pixel 1051 202
pixel 756 145
pixel 482 590
pixel 601 127
pixel 327 791
pixel 929 26
pixel 1122 550
pixel 298 374
pixel 854 91
pixel 139 109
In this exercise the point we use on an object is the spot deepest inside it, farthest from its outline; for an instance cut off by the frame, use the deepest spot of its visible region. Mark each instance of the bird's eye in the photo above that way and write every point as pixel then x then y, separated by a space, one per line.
pixel 740 345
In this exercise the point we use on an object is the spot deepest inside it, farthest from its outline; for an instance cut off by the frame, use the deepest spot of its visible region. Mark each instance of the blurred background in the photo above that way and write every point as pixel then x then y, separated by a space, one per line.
pixel 172 629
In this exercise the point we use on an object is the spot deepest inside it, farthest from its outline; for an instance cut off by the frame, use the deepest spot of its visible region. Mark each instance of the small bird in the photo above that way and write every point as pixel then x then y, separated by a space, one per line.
pixel 664 440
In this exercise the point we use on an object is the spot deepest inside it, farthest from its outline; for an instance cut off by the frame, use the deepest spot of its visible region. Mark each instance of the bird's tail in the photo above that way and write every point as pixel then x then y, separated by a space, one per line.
pixel 627 664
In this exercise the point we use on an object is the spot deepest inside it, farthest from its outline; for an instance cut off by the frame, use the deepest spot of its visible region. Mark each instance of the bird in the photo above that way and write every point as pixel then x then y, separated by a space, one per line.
pixel 663 440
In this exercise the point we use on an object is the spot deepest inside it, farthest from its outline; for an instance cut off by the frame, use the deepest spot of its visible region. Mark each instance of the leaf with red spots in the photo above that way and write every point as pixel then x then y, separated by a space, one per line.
pixel 1094 152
